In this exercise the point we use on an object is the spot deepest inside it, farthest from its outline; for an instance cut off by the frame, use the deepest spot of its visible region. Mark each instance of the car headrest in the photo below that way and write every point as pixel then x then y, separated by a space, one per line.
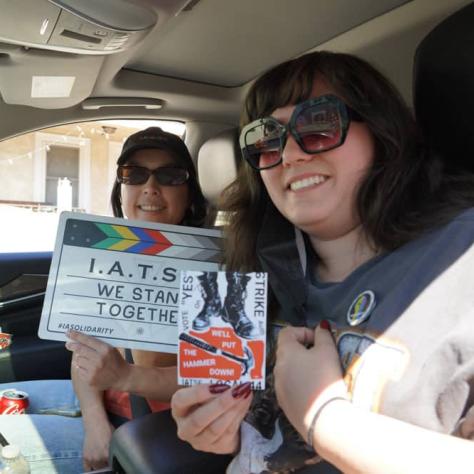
pixel 444 88
pixel 217 164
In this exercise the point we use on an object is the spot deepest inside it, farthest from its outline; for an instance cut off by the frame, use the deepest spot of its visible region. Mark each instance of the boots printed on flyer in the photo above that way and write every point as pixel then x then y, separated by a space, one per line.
pixel 234 310
pixel 212 301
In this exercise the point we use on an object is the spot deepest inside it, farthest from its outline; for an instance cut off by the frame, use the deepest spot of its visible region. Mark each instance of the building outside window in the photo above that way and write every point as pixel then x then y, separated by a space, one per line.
pixel 76 159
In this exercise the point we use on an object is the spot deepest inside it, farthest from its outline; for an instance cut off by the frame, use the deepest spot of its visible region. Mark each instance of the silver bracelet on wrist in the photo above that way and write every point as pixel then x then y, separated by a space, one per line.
pixel 316 416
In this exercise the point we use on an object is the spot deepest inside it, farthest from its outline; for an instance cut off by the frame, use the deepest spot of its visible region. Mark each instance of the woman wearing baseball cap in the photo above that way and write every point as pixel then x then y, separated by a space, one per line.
pixel 156 182
pixel 175 175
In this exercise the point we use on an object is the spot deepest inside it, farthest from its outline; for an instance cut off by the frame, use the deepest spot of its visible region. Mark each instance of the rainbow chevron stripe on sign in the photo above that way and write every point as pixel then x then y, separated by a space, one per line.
pixel 132 239
pixel 141 240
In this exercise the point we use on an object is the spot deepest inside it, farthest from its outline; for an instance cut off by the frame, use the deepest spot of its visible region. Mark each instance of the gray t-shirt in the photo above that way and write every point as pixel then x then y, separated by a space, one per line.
pixel 405 333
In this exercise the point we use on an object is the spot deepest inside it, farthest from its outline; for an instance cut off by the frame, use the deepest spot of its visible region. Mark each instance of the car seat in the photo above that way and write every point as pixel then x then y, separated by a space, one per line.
pixel 443 78
pixel 217 167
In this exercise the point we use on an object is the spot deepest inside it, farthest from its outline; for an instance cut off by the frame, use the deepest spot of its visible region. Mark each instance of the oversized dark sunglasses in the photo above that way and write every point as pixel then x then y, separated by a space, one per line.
pixel 317 125
pixel 164 175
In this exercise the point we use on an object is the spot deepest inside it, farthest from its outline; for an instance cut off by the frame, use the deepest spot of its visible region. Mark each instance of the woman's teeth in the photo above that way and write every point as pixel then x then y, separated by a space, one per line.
pixel 304 183
pixel 148 208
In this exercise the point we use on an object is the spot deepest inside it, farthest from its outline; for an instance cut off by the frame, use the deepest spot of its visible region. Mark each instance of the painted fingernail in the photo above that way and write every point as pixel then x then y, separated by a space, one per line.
pixel 218 388
pixel 324 324
pixel 242 390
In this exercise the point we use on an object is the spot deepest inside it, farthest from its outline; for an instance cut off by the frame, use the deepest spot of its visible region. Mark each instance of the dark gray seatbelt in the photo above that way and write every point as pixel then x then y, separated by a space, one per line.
pixel 138 404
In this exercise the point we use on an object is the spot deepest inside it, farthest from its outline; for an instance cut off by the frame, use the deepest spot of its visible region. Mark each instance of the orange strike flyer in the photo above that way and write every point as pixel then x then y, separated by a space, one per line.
pixel 222 328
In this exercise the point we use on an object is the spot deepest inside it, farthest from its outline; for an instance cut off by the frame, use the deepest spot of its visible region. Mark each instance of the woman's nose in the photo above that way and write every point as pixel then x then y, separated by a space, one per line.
pixel 152 186
pixel 292 152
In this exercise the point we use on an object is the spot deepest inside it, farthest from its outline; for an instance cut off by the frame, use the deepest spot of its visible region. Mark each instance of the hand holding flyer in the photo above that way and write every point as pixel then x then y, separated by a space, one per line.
pixel 222 328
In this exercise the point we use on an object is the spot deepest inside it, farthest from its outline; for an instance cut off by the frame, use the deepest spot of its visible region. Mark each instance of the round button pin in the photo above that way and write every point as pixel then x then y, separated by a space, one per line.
pixel 361 308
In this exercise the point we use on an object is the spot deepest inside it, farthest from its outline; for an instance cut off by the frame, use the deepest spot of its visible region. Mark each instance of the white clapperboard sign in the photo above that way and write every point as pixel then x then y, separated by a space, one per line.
pixel 118 279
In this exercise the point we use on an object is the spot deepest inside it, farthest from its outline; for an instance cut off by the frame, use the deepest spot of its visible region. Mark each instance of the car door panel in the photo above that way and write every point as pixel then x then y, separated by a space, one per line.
pixel 23 278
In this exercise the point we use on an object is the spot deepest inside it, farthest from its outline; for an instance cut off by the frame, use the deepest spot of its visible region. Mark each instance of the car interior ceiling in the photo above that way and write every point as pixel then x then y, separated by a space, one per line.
pixel 164 67
pixel 207 96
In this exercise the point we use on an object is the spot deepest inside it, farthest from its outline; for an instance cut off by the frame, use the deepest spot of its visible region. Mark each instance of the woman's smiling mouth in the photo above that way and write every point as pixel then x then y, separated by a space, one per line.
pixel 307 182
pixel 150 208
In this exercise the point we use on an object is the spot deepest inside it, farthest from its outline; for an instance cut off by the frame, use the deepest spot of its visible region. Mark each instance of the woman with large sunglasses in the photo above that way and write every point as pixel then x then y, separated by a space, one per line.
pixel 156 182
pixel 367 239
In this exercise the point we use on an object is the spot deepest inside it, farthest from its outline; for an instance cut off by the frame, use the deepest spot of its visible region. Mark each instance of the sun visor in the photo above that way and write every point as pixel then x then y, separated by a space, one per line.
pixel 46 79
pixel 75 26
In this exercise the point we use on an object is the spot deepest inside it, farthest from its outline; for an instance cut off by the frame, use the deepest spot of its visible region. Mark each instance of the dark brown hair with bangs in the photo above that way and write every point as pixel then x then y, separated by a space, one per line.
pixel 404 194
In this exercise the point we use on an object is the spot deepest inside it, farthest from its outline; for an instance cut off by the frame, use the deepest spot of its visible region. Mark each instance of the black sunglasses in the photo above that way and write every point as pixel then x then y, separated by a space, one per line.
pixel 164 175
pixel 317 125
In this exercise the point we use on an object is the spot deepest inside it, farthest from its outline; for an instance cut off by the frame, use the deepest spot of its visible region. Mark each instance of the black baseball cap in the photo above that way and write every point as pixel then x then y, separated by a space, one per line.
pixel 155 137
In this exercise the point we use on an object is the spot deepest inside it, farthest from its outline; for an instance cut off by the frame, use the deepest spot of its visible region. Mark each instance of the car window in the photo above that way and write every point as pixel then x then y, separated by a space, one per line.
pixel 67 167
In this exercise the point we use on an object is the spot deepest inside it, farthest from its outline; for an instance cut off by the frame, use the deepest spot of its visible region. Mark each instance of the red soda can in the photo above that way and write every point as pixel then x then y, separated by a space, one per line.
pixel 5 340
pixel 13 402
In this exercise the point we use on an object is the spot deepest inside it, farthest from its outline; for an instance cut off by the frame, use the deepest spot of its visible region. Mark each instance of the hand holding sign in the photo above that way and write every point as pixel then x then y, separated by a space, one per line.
pixel 97 363
pixel 118 279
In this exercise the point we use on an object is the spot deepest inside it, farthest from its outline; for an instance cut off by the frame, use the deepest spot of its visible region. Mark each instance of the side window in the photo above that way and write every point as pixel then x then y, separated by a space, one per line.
pixel 67 167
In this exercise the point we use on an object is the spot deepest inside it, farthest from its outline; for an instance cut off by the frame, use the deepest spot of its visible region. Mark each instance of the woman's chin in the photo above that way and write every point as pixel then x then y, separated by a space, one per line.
pixel 308 219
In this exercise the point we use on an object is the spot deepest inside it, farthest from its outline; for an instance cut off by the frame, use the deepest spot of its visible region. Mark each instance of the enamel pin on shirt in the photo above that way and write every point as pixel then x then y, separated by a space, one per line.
pixel 361 308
